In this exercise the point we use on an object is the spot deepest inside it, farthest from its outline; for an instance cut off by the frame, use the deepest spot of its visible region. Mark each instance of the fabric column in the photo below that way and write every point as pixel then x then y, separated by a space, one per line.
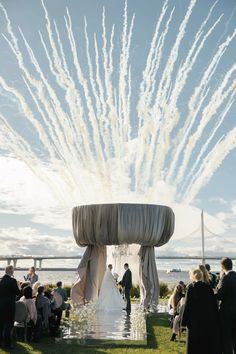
pixel 90 274
pixel 149 282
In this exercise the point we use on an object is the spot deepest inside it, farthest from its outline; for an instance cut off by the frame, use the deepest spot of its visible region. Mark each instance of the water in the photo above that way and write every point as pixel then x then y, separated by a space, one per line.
pixel 69 276
pixel 51 276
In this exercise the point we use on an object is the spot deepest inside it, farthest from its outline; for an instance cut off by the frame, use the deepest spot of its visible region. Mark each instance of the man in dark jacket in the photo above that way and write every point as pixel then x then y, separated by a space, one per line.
pixel 126 283
pixel 8 292
pixel 226 293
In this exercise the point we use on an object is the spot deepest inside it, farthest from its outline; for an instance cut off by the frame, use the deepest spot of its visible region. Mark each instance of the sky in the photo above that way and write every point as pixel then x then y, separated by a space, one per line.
pixel 112 101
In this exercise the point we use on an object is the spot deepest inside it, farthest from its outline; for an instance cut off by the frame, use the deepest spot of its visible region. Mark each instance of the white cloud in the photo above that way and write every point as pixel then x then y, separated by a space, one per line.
pixel 233 207
pixel 218 200
pixel 29 241
pixel 22 192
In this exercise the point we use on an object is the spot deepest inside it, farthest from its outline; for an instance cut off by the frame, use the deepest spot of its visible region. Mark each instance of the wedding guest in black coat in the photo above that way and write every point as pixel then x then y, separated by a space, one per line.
pixel 126 283
pixel 226 293
pixel 8 292
pixel 201 317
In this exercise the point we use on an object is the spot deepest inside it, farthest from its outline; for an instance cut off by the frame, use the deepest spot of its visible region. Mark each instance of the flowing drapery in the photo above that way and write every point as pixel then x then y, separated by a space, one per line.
pixel 90 274
pixel 96 226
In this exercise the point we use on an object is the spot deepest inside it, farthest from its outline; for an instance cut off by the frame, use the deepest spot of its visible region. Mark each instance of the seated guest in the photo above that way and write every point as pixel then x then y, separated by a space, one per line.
pixel 64 306
pixel 22 286
pixel 177 322
pixel 174 303
pixel 175 298
pixel 201 317
pixel 33 319
pixel 35 287
pixel 183 286
pixel 32 277
pixel 8 292
pixel 52 320
pixel 63 294
pixel 43 306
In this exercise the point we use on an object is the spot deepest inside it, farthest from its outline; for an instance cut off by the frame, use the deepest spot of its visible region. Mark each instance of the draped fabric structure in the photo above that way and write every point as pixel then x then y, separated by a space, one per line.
pixel 96 226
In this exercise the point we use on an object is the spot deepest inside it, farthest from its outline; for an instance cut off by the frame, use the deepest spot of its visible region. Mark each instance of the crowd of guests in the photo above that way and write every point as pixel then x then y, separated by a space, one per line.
pixel 207 309
pixel 43 306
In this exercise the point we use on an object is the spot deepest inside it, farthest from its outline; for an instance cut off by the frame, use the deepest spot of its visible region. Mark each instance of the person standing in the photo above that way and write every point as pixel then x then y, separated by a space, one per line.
pixel 8 292
pixel 213 277
pixel 32 277
pixel 126 283
pixel 226 293
pixel 200 316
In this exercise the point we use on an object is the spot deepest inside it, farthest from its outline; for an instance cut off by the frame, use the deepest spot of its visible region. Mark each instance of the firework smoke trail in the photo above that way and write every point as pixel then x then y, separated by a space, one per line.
pixel 103 119
pixel 68 156
pixel 147 87
pixel 98 94
pixel 55 109
pixel 195 167
pixel 161 101
pixel 83 82
pixel 65 81
pixel 94 136
pixel 40 95
pixel 23 151
pixel 194 107
pixel 160 142
pixel 29 114
pixel 27 76
pixel 182 76
pixel 124 112
pixel 108 71
pixel 210 164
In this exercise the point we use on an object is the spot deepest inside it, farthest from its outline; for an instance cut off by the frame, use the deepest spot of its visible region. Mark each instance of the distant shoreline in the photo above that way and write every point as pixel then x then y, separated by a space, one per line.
pixel 45 269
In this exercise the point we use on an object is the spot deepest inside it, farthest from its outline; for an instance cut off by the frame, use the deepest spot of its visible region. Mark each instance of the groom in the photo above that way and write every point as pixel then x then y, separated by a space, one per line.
pixel 126 283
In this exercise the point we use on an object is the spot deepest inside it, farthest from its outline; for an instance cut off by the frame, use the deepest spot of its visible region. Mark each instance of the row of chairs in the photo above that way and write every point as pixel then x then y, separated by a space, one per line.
pixel 21 314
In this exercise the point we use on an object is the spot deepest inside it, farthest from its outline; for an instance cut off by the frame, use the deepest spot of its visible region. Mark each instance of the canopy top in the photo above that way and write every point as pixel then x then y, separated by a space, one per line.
pixel 115 224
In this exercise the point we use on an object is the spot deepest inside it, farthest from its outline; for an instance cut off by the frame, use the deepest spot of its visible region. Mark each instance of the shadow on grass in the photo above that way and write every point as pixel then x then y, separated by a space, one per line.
pixel 154 322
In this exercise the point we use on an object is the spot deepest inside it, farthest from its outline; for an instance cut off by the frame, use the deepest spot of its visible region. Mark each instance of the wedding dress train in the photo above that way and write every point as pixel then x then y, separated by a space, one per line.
pixel 109 298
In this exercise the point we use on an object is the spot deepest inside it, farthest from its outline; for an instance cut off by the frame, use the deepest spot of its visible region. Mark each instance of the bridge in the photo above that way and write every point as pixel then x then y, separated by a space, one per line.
pixel 36 259
pixel 39 259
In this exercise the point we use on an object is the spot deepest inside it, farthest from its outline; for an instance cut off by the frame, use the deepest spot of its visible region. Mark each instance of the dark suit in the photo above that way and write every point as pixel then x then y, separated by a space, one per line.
pixel 8 292
pixel 127 284
pixel 201 318
pixel 226 293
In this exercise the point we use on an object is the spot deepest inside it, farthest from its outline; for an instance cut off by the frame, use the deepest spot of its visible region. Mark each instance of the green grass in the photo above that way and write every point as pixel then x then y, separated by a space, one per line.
pixel 158 342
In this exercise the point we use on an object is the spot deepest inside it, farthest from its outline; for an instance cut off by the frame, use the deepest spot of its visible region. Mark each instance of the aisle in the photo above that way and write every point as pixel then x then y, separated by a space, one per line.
pixel 116 325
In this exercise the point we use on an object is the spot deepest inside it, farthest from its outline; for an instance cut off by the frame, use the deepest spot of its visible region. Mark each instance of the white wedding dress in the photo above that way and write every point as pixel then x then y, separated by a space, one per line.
pixel 109 298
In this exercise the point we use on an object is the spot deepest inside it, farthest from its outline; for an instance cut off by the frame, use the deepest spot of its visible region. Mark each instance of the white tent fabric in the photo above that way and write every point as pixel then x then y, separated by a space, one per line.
pixel 99 225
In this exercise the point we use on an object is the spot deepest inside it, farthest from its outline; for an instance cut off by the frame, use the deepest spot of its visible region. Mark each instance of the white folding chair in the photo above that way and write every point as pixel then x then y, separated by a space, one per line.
pixel 21 317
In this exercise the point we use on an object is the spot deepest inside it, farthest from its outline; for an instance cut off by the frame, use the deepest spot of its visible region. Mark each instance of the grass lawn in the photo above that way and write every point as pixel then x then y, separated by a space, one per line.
pixel 158 342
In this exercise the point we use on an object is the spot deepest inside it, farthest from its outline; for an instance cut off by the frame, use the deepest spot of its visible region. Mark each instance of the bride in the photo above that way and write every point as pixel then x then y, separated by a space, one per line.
pixel 109 298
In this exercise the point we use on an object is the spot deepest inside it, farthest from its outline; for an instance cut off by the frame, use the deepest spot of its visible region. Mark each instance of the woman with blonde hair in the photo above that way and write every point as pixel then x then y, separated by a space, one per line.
pixel 175 298
pixel 206 277
pixel 174 304
pixel 201 317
